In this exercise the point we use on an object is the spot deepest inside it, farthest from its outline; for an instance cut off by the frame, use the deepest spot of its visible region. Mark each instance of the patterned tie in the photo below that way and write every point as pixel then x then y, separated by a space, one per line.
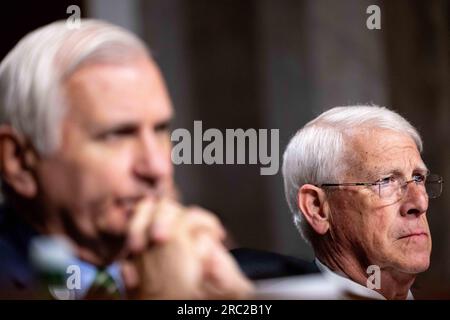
pixel 103 288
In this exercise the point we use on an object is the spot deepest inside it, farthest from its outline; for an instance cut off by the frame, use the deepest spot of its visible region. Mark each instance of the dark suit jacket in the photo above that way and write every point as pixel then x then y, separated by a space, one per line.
pixel 257 264
pixel 17 276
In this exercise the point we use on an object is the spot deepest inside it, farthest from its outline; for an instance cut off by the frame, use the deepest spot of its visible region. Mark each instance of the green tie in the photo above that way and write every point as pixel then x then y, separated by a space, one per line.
pixel 103 288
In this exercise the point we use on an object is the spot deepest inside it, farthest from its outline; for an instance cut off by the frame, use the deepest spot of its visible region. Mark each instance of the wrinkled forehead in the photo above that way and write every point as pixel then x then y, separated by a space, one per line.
pixel 373 152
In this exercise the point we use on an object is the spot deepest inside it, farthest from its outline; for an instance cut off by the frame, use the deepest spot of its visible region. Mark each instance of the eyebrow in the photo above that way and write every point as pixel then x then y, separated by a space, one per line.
pixel 114 127
pixel 114 124
pixel 395 171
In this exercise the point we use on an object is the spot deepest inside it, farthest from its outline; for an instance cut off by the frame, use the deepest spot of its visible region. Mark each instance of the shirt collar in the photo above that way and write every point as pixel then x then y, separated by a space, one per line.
pixel 88 273
pixel 351 286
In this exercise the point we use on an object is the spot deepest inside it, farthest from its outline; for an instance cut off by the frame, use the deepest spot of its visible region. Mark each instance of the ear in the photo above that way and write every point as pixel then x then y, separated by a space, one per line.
pixel 17 161
pixel 313 204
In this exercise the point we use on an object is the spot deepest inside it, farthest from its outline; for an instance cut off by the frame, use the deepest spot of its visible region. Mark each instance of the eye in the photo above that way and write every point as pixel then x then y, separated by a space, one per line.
pixel 162 127
pixel 419 177
pixel 386 181
pixel 117 133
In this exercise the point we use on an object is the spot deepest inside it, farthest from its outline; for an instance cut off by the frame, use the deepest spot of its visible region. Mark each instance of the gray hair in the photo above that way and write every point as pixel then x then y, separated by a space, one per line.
pixel 31 75
pixel 315 154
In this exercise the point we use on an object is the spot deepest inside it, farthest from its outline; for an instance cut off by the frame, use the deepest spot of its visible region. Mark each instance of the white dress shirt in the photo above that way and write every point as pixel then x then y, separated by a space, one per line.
pixel 348 285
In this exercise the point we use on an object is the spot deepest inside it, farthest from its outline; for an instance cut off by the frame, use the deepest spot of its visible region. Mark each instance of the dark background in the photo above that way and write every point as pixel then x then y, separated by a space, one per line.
pixel 277 64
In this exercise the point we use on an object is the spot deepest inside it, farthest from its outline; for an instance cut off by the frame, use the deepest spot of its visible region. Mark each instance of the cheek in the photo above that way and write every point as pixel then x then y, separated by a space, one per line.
pixel 87 175
pixel 361 222
pixel 378 222
pixel 372 231
pixel 347 220
pixel 104 169
pixel 381 227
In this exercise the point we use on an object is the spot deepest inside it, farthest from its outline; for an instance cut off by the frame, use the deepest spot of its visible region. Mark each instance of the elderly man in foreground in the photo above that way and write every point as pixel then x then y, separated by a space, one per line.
pixel 359 190
pixel 87 178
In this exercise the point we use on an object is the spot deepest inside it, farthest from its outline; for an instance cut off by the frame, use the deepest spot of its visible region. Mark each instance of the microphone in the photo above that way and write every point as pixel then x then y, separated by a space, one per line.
pixel 54 260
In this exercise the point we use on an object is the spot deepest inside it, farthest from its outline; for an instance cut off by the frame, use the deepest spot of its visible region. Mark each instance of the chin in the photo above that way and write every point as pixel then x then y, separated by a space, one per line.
pixel 416 264
pixel 413 257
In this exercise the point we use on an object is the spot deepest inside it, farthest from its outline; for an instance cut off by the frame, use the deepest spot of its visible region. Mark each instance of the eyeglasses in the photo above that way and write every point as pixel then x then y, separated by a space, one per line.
pixel 394 187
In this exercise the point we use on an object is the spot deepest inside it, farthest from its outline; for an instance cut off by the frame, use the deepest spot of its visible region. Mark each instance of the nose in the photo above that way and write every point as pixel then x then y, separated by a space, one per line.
pixel 152 164
pixel 415 200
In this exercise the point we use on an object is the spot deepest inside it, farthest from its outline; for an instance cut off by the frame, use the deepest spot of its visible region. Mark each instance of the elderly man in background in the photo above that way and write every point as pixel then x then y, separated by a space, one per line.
pixel 359 190
pixel 87 177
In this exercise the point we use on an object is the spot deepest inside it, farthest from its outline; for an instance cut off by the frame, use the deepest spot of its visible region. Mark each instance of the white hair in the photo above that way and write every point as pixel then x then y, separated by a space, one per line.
pixel 32 98
pixel 315 154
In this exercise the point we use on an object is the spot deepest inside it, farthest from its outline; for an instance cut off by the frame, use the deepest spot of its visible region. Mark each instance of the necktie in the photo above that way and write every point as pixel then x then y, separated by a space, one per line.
pixel 103 288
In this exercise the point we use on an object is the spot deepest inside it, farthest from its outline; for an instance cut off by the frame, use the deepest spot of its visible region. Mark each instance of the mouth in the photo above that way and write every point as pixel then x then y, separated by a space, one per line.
pixel 415 234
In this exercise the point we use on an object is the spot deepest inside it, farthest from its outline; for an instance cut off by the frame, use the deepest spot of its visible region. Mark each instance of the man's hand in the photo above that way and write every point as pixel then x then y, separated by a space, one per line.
pixel 177 254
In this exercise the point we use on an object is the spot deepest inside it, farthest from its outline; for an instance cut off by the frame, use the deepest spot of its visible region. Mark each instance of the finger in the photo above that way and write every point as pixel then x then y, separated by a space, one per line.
pixel 167 218
pixel 171 270
pixel 141 221
pixel 224 279
pixel 200 220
